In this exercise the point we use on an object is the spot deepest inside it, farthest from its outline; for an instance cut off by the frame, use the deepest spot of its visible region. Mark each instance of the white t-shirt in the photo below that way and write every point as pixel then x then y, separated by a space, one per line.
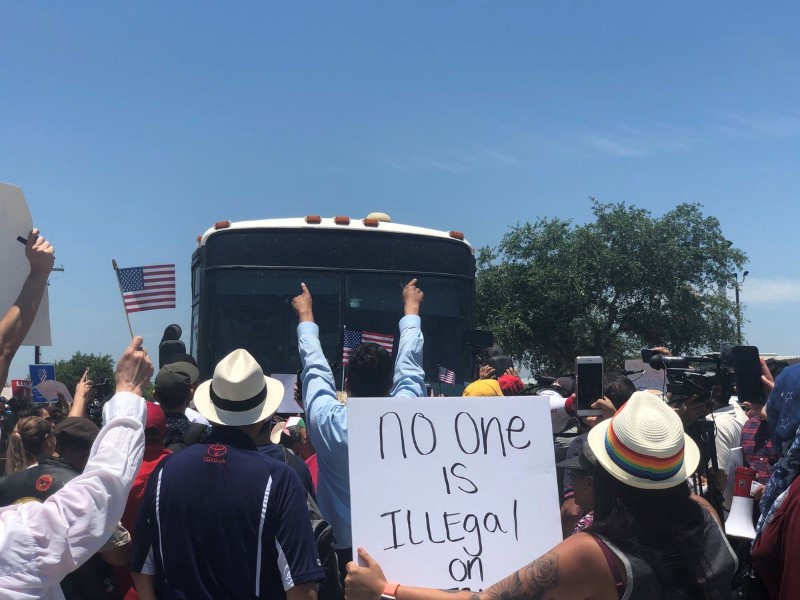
pixel 196 417
pixel 729 421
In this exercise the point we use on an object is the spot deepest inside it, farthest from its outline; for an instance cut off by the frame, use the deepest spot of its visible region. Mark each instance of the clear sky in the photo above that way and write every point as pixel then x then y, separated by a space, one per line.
pixel 132 127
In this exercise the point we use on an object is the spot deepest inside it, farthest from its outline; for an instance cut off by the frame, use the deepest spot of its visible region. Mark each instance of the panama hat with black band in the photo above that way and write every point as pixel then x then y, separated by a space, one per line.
pixel 239 394
pixel 643 445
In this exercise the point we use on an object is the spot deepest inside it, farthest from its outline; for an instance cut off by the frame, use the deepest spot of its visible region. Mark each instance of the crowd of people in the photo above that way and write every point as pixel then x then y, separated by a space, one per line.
pixel 202 492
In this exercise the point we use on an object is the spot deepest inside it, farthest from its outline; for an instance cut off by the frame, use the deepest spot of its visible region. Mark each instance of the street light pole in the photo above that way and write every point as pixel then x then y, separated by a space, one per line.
pixel 37 353
pixel 736 284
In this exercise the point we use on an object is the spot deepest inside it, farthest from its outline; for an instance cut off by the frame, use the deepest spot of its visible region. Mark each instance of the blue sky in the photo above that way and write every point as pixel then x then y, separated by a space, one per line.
pixel 133 127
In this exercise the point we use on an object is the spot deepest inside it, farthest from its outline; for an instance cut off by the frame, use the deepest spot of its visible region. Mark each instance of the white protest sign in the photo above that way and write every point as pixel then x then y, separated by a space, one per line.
pixel 287 405
pixel 452 492
pixel 15 221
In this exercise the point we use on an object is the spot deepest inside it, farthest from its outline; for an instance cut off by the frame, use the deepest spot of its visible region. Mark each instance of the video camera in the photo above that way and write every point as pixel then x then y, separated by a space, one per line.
pixel 707 376
pixel 691 379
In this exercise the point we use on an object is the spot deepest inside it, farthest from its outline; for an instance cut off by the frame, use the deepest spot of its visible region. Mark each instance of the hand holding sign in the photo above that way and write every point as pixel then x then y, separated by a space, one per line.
pixel 40 254
pixel 473 487
pixel 19 261
pixel 366 582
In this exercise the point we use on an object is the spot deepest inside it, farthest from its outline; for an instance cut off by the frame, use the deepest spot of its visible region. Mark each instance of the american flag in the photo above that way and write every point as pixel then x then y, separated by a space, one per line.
pixel 447 376
pixel 147 288
pixel 354 337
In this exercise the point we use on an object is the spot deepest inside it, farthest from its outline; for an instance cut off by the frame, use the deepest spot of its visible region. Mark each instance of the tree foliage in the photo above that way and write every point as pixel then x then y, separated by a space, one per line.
pixel 553 290
pixel 70 371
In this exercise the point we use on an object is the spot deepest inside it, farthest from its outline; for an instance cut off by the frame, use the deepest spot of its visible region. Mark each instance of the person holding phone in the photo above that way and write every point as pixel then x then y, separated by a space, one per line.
pixel 615 391
pixel 650 538
pixel 758 452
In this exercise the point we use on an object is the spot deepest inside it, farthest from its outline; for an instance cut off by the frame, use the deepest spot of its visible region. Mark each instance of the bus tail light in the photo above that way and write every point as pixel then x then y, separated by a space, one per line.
pixel 457 235
pixel 341 220
pixel 368 222
pixel 222 225
pixel 313 219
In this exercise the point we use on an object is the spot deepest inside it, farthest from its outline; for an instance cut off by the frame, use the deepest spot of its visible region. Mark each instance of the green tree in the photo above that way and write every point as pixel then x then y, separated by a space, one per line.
pixel 552 290
pixel 70 371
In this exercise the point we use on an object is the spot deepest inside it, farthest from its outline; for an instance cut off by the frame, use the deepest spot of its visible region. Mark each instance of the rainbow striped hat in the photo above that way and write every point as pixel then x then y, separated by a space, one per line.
pixel 644 445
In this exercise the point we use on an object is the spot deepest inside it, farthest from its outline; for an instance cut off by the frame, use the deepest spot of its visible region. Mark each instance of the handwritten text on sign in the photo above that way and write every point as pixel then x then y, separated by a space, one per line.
pixel 452 492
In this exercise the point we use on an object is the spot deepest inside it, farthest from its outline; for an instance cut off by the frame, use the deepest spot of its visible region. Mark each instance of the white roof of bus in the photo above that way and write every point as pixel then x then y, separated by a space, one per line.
pixel 327 223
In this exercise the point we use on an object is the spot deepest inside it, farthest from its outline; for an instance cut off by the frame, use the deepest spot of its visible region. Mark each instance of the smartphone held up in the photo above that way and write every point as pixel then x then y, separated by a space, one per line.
pixel 589 380
pixel 747 371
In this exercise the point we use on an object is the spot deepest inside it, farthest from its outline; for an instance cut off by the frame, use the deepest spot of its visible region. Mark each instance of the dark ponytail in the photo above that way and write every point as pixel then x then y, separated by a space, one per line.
pixel 663 527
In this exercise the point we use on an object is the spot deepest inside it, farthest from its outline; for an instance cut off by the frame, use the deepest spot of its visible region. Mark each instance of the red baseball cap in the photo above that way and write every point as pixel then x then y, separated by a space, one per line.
pixel 156 427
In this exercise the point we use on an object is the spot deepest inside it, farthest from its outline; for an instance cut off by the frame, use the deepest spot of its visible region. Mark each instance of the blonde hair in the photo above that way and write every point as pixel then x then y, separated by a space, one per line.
pixel 25 443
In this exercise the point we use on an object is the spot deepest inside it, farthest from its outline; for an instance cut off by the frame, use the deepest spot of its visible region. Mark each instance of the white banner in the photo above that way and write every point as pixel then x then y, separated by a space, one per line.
pixel 287 405
pixel 15 221
pixel 452 492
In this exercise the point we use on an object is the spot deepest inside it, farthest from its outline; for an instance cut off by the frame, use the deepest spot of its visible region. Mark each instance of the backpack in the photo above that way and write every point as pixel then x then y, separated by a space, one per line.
pixel 331 587
pixel 177 440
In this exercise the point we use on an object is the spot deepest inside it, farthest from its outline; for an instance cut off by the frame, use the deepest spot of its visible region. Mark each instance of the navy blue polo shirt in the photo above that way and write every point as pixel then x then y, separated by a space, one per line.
pixel 225 521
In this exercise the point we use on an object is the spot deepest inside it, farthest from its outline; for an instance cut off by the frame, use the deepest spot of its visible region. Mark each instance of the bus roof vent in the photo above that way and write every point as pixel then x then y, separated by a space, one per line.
pixel 379 216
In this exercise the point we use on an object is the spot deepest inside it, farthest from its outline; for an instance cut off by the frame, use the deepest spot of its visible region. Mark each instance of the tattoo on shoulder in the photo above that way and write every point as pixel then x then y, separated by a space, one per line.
pixel 532 582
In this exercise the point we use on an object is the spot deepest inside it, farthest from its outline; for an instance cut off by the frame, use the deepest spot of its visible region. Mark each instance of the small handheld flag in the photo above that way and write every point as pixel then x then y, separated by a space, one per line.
pixel 354 337
pixel 145 288
pixel 447 376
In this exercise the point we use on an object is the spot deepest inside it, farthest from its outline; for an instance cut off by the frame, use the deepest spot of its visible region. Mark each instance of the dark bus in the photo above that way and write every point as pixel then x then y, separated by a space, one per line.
pixel 245 274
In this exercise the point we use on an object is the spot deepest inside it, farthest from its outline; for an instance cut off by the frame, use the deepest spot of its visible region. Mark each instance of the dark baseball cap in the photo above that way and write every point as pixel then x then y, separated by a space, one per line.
pixel 585 461
pixel 564 385
pixel 184 363
pixel 76 431
pixel 172 384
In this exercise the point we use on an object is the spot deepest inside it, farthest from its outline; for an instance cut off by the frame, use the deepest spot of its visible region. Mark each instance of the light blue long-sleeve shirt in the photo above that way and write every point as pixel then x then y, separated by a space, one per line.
pixel 326 417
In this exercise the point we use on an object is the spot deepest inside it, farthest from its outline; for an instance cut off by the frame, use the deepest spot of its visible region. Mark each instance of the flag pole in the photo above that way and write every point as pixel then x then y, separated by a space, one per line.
pixel 122 297
pixel 344 366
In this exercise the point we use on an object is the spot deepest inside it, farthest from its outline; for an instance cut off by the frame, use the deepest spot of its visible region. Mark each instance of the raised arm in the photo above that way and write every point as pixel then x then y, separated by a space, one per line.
pixel 409 377
pixel 574 570
pixel 41 543
pixel 16 323
pixel 81 398
pixel 327 417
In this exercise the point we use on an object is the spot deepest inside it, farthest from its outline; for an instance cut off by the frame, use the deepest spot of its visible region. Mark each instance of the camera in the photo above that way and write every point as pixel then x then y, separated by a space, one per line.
pixel 100 393
pixel 706 376
pixel 704 379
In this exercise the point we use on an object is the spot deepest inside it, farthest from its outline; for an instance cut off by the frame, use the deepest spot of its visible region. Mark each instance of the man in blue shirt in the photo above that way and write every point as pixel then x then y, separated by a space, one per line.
pixel 220 519
pixel 369 375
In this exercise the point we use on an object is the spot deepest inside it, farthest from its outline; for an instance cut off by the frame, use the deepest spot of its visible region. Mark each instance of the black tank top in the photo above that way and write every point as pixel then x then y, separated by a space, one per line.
pixel 718 568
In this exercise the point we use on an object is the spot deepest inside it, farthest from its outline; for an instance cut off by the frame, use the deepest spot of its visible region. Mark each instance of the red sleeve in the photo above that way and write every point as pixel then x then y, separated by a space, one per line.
pixel 777 552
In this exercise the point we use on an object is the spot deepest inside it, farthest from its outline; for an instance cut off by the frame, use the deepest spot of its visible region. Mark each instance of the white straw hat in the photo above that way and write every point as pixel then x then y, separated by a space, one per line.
pixel 239 394
pixel 643 444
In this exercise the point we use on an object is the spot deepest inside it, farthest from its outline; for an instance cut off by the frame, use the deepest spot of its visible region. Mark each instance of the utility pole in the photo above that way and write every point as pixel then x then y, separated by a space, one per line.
pixel 736 285
pixel 37 354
